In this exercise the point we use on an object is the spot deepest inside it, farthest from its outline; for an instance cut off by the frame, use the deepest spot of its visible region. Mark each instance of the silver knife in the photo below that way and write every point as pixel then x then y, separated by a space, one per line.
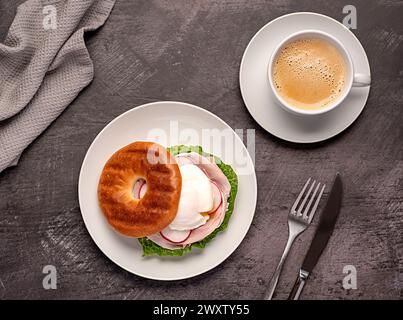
pixel 322 235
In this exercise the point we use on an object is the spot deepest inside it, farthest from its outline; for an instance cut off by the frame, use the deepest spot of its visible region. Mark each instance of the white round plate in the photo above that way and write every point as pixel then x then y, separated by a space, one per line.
pixel 168 123
pixel 259 98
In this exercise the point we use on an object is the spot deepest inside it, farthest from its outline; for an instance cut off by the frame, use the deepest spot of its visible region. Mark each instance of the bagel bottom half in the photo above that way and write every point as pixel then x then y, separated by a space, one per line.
pixel 158 207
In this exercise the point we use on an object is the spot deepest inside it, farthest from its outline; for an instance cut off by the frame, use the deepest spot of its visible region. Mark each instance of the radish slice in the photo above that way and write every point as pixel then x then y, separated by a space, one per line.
pixel 136 188
pixel 143 190
pixel 175 236
pixel 217 196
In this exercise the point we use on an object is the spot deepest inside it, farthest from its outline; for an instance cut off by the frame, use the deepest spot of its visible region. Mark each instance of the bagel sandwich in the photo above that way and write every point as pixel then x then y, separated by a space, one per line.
pixel 171 206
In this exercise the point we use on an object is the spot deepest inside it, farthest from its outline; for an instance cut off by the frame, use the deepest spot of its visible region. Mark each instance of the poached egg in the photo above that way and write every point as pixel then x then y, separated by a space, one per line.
pixel 196 198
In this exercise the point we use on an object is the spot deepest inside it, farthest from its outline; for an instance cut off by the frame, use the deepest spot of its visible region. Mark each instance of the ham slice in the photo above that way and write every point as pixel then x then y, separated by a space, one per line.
pixel 212 171
pixel 158 239
pixel 217 177
pixel 182 159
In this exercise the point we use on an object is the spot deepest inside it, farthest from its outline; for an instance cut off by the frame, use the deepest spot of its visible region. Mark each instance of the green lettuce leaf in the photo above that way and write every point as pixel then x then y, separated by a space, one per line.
pixel 150 248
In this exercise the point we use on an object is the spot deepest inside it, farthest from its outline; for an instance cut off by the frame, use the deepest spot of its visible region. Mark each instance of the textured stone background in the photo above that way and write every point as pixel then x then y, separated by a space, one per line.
pixel 191 51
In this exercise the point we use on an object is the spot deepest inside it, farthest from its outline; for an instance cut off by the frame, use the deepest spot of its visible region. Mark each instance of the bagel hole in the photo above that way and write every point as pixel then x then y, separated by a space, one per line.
pixel 139 188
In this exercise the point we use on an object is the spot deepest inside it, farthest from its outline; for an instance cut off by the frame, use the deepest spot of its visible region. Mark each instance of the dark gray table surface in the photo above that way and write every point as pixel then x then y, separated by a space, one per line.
pixel 191 51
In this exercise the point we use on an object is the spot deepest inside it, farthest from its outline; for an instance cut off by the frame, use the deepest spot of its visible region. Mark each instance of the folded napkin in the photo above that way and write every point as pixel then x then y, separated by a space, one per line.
pixel 44 64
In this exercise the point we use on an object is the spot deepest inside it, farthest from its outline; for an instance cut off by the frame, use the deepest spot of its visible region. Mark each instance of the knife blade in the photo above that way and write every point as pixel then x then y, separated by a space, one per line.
pixel 322 235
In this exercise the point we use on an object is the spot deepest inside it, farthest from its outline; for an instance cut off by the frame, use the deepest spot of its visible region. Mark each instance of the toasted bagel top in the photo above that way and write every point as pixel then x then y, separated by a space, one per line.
pixel 157 208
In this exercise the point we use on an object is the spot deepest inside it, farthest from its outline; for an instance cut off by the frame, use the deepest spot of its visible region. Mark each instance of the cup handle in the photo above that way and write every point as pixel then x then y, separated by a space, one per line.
pixel 361 80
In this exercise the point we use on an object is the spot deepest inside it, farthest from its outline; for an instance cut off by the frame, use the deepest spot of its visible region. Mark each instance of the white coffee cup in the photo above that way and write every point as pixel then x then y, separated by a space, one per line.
pixel 352 79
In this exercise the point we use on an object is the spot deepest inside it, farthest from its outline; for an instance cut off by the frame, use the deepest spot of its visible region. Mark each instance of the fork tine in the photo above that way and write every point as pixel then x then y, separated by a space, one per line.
pixel 316 204
pixel 294 206
pixel 305 214
pixel 305 198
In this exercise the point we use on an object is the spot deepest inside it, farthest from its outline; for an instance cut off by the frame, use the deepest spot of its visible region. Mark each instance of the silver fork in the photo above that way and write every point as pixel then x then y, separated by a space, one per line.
pixel 298 221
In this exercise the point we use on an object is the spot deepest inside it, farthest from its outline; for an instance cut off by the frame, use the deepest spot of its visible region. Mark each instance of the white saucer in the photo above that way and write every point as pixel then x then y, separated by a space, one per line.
pixel 259 98
pixel 152 122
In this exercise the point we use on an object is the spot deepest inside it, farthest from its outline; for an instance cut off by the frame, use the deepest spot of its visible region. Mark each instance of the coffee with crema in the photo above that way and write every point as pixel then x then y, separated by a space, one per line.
pixel 309 73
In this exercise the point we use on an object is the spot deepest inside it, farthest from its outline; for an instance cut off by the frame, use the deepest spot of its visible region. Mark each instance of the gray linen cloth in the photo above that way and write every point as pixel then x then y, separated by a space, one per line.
pixel 44 64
